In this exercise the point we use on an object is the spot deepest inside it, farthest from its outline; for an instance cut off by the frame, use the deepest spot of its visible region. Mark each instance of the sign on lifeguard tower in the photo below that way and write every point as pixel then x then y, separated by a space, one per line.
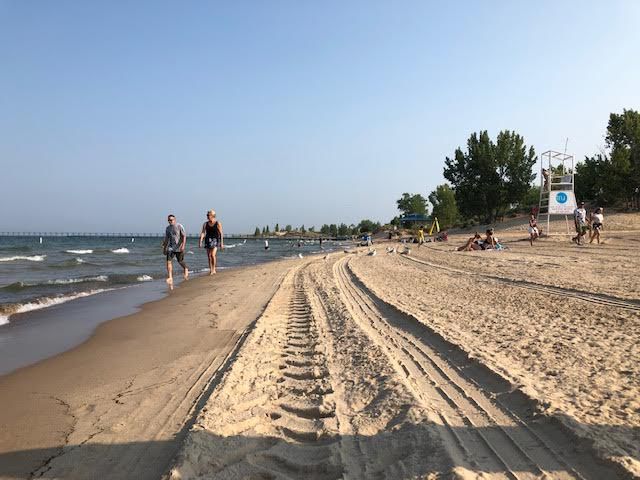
pixel 562 202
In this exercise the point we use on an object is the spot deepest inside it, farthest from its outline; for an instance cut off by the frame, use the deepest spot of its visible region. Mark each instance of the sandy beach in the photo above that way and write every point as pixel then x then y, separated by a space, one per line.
pixel 436 364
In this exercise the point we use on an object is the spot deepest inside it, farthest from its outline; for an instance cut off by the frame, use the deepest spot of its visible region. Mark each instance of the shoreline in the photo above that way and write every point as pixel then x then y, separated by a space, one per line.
pixel 132 383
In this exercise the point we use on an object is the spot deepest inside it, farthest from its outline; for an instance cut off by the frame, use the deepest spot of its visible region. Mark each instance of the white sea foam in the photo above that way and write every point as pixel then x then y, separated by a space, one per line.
pixel 66 281
pixel 120 250
pixel 79 260
pixel 144 278
pixel 44 303
pixel 32 258
pixel 79 252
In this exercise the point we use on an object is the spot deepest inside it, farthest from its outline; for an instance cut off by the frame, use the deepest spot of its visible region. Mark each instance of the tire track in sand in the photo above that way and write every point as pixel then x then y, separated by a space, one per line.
pixel 598 299
pixel 309 396
pixel 481 432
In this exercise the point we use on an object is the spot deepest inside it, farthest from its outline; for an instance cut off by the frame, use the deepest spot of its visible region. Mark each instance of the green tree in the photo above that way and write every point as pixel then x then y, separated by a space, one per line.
pixel 257 232
pixel 368 226
pixel 287 228
pixel 489 177
pixel 409 204
pixel 303 230
pixel 531 199
pixel 443 199
pixel 276 228
pixel 333 230
pixel 266 229
pixel 312 229
pixel 343 230
pixel 324 229
pixel 354 229
pixel 610 177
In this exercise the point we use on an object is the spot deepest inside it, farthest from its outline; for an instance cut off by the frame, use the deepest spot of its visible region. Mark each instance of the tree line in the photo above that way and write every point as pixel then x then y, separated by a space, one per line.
pixel 330 230
pixel 490 178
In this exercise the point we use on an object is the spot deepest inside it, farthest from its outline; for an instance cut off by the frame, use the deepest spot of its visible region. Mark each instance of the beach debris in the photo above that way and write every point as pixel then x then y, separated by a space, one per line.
pixel 406 251
pixel 300 255
pixel 372 252
pixel 391 250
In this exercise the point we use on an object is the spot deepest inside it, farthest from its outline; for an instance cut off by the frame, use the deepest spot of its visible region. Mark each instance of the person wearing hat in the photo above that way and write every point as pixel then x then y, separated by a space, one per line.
pixel 580 220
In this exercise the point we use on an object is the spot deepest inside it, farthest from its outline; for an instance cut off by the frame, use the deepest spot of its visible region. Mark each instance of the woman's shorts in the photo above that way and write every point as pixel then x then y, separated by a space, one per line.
pixel 210 243
pixel 597 226
pixel 533 230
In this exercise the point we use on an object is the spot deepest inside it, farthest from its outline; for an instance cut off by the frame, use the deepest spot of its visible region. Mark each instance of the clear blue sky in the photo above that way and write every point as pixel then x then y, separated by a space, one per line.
pixel 114 113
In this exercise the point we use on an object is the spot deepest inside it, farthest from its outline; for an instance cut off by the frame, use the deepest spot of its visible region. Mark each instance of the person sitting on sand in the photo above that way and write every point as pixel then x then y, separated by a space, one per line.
pixel 211 233
pixel 596 226
pixel 533 229
pixel 175 240
pixel 490 241
pixel 472 244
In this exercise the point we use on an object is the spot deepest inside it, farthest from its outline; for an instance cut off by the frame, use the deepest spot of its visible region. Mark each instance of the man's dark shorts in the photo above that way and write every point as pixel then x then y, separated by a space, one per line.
pixel 179 256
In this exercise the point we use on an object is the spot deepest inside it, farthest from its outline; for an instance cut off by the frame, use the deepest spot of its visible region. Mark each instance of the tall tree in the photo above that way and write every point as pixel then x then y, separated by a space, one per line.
pixel 256 233
pixel 443 199
pixel 276 228
pixel 343 230
pixel 409 204
pixel 611 177
pixel 489 177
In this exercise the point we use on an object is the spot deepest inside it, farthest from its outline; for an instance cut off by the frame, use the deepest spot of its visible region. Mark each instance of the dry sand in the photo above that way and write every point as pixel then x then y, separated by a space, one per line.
pixel 518 364
pixel 434 365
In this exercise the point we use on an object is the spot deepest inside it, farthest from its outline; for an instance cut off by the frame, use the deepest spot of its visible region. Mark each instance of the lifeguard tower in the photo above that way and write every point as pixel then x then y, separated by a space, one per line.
pixel 557 195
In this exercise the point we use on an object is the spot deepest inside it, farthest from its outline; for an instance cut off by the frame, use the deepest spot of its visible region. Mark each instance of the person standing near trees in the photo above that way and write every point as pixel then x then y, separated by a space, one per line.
pixel 211 234
pixel 580 220
pixel 597 220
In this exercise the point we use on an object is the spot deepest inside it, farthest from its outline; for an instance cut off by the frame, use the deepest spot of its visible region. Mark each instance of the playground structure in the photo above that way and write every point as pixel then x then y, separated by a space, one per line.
pixel 557 194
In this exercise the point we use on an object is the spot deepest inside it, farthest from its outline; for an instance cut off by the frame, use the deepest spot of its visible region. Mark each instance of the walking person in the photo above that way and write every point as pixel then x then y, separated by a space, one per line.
pixel 597 219
pixel 211 234
pixel 175 239
pixel 533 229
pixel 580 220
pixel 420 235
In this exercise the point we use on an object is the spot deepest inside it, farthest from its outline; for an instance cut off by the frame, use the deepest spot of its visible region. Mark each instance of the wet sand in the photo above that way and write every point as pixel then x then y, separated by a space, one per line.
pixel 116 406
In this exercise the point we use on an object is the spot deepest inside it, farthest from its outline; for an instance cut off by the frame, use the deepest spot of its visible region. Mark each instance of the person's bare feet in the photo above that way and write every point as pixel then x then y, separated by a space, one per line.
pixel 186 274
pixel 170 281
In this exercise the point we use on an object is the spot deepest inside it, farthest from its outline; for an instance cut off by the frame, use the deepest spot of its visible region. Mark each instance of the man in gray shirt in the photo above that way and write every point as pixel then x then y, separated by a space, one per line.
pixel 175 239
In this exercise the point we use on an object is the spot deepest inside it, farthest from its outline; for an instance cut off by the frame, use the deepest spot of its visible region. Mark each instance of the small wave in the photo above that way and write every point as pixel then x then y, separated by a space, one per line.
pixel 66 281
pixel 120 250
pixel 144 278
pixel 11 309
pixel 79 260
pixel 17 286
pixel 190 252
pixel 79 252
pixel 32 258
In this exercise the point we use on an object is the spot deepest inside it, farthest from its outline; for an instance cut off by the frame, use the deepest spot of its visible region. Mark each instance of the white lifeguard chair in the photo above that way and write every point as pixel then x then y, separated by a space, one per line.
pixel 557 195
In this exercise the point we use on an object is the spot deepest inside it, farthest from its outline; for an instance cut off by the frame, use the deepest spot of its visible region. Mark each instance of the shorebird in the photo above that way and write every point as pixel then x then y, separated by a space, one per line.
pixel 372 252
